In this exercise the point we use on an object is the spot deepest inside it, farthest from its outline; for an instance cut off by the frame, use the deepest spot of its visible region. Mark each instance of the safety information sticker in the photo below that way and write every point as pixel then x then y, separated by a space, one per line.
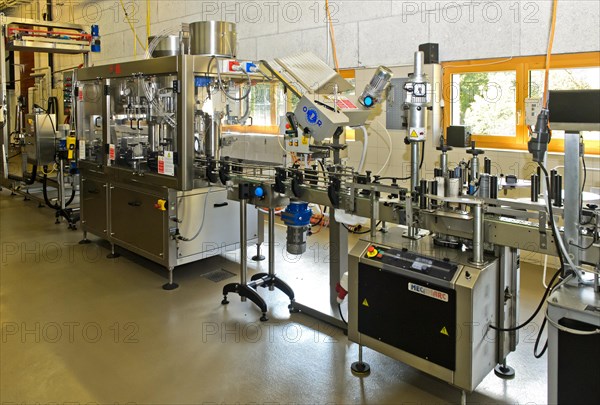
pixel 166 165
pixel 111 152
pixel 419 289
pixel 81 149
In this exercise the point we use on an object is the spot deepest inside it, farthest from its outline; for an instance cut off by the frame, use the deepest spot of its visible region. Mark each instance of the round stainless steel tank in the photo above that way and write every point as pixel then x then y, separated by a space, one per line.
pixel 213 38
pixel 169 45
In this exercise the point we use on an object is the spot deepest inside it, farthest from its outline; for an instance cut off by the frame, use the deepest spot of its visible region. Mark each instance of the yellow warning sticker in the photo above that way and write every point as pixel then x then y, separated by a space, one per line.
pixel 413 134
pixel 305 140
pixel 444 331
pixel 365 302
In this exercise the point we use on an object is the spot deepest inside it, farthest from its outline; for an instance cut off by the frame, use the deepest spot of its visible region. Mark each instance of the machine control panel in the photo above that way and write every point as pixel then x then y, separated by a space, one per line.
pixel 403 259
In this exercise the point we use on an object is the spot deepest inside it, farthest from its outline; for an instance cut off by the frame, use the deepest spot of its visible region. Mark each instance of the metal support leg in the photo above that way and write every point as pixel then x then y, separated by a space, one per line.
pixel 463 397
pixel 270 279
pixel 85 240
pixel 478 258
pixel 261 237
pixel 170 285
pixel 271 245
pixel 243 289
pixel 360 367
pixel 112 254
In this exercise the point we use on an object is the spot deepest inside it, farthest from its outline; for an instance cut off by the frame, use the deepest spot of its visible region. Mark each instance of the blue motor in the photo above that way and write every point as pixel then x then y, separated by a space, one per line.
pixel 297 218
pixel 95 38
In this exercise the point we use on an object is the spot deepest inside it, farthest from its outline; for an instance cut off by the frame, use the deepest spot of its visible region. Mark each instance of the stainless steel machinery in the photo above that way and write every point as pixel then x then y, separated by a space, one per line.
pixel 140 129
pixel 30 127
pixel 440 292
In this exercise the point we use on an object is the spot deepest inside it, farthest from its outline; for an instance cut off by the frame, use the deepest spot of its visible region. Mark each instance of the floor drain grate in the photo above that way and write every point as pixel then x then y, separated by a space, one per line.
pixel 218 275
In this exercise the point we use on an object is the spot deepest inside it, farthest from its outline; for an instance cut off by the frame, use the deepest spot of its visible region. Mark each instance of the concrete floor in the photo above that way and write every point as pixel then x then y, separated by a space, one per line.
pixel 80 328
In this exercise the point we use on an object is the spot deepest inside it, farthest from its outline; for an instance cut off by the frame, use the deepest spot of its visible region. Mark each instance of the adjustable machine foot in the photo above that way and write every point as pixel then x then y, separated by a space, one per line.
pixel 246 291
pixel 360 368
pixel 170 285
pixel 505 372
pixel 258 257
pixel 112 254
pixel 272 281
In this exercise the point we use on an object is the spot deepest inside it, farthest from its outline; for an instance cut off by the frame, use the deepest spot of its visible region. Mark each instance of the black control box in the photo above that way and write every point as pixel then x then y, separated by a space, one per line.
pixel 431 51
pixel 458 136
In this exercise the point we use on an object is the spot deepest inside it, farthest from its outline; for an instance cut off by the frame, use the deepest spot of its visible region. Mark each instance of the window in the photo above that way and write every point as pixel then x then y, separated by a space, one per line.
pixel 489 96
pixel 268 103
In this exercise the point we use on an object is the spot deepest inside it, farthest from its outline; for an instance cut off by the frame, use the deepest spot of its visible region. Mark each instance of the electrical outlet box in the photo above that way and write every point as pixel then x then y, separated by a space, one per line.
pixel 533 106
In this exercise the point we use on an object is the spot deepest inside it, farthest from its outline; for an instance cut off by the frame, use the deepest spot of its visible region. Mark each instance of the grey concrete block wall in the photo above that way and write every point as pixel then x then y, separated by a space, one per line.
pixel 368 33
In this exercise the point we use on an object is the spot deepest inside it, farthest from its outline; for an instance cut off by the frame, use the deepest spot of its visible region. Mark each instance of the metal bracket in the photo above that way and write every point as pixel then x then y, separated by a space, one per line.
pixel 542 227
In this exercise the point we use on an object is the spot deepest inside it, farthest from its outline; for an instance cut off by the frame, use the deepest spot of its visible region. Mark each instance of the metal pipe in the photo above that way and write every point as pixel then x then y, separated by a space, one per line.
pixel 487 165
pixel 474 168
pixel 493 187
pixel 477 211
pixel 243 243
pixel 444 164
pixel 271 244
pixel 535 192
pixel 422 194
pixel 414 162
pixel 557 189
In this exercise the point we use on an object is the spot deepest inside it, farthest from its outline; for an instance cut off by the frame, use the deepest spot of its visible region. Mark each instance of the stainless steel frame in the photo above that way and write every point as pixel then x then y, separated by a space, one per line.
pixel 198 218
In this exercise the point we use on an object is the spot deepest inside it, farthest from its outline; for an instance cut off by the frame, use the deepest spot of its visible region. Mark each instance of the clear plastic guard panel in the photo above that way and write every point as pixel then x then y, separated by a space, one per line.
pixel 143 124
pixel 89 121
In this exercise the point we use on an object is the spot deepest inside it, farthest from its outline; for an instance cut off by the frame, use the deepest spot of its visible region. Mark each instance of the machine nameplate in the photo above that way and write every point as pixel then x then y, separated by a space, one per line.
pixel 429 292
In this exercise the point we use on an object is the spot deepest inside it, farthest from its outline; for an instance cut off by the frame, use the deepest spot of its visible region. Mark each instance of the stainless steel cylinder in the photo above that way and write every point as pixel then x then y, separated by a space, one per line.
pixel 414 164
pixel 474 167
pixel 484 186
pixel 444 164
pixel 296 239
pixel 169 45
pixel 419 58
pixel 477 211
pixel 441 186
pixel 212 139
pixel 213 38
pixel 452 187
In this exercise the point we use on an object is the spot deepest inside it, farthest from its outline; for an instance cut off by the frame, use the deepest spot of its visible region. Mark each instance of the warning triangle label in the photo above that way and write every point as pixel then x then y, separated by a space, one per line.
pixel 413 134
pixel 444 331
pixel 365 302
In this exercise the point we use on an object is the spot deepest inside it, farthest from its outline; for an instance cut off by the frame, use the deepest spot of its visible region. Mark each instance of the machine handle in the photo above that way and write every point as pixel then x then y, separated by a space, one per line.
pixel 131 123
pixel 138 123
pixel 134 203
pixel 220 205
pixel 96 121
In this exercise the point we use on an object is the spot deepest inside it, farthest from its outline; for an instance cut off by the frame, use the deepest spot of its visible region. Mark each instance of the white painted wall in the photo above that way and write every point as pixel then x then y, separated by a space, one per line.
pixel 368 32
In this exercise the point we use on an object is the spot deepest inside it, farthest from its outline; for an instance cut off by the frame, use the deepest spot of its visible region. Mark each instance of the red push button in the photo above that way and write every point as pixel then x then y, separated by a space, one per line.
pixel 370 249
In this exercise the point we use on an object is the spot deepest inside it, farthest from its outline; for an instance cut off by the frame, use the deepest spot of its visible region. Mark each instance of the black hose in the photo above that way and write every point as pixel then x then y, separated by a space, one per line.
pixel 541 304
pixel 45 193
pixel 47 200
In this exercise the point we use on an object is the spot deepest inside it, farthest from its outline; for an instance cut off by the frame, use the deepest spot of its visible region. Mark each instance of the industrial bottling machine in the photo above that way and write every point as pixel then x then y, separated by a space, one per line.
pixel 141 130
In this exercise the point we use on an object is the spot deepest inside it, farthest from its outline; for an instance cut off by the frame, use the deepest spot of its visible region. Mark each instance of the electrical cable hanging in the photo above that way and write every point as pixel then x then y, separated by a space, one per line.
pixel 136 38
pixel 548 54
pixel 332 34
